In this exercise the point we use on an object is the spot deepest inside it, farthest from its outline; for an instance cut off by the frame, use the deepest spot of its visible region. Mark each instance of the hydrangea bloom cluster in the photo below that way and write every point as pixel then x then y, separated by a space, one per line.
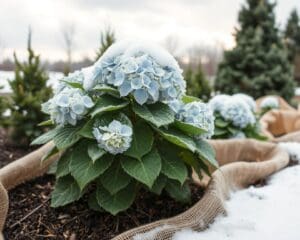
pixel 238 112
pixel 140 75
pixel 269 103
pixel 217 102
pixel 195 113
pixel 68 106
pixel 114 138
pixel 75 77
pixel 247 99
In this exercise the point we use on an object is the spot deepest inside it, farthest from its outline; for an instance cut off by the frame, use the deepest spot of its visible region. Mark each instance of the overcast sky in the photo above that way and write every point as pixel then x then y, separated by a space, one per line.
pixel 208 22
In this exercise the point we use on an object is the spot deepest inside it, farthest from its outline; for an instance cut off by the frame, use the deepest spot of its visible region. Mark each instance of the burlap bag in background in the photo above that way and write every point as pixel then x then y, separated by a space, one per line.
pixel 243 162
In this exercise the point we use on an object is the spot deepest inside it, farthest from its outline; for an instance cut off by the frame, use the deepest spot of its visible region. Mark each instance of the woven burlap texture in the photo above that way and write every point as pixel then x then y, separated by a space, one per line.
pixel 242 162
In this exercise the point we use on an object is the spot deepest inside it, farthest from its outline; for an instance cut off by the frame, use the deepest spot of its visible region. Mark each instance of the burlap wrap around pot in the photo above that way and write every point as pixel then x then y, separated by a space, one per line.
pixel 242 162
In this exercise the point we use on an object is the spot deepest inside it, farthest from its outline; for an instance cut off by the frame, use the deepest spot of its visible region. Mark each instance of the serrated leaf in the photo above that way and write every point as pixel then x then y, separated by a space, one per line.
pixel 108 103
pixel 159 184
pixel 74 84
pixel 63 163
pixel 95 152
pixel 66 137
pixel 50 153
pixel 158 114
pixel 188 99
pixel 107 89
pixel 181 193
pixel 142 141
pixel 46 137
pixel 206 152
pixel 178 138
pixel 84 170
pixel 145 170
pixel 114 178
pixel 117 202
pixel 221 123
pixel 46 123
pixel 65 191
pixel 87 130
pixel 189 129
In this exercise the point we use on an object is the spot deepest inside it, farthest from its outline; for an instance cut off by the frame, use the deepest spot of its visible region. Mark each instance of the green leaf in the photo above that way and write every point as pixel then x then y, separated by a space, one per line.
pixel 84 170
pixel 181 193
pixel 233 130
pixel 46 137
pixel 108 103
pixel 65 191
pixel 206 152
pixel 46 123
pixel 93 202
pixel 95 152
pixel 66 136
pixel 50 153
pixel 63 163
pixel 188 99
pixel 219 131
pixel 107 89
pixel 87 130
pixel 187 128
pixel 117 202
pixel 74 84
pixel 114 179
pixel 142 141
pixel 159 184
pixel 178 138
pixel 219 122
pixel 145 170
pixel 158 114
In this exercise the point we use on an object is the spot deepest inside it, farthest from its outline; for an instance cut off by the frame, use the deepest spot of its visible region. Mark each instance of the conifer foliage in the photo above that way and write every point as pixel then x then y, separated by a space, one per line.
pixel 107 38
pixel 258 65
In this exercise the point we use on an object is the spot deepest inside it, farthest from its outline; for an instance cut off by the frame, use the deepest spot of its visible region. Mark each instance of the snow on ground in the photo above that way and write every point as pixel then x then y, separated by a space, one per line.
pixel 269 212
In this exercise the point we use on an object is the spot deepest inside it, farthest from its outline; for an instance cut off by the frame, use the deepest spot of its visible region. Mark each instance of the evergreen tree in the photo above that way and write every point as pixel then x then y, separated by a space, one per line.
pixel 258 65
pixel 292 35
pixel 3 107
pixel 107 38
pixel 29 91
pixel 197 85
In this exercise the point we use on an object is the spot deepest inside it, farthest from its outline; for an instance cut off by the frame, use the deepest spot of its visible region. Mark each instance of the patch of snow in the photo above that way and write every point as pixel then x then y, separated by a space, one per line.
pixel 150 234
pixel 269 212
pixel 293 148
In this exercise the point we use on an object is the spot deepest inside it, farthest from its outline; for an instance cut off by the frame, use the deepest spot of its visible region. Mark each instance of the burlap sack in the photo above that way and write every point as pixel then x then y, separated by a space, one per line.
pixel 243 162
pixel 283 105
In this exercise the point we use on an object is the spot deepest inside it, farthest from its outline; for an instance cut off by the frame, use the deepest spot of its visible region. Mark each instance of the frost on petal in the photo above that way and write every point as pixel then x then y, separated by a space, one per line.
pixel 140 96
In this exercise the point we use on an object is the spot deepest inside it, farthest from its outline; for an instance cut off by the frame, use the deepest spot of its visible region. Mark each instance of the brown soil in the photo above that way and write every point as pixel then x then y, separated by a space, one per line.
pixel 31 217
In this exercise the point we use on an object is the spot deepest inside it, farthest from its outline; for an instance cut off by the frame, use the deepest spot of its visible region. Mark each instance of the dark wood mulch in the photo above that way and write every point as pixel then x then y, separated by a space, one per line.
pixel 31 217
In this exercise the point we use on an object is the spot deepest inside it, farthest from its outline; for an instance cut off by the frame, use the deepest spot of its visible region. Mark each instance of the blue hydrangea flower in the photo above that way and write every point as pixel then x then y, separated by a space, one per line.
pixel 140 75
pixel 195 113
pixel 239 135
pixel 269 103
pixel 238 112
pixel 247 99
pixel 68 106
pixel 114 138
pixel 217 102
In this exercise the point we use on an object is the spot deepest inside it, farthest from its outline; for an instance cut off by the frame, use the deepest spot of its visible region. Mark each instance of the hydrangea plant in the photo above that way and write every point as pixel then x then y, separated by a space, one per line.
pixel 125 124
pixel 235 117
pixel 269 103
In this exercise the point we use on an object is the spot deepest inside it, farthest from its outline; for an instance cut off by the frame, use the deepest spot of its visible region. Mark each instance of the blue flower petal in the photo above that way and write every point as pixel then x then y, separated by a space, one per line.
pixel 125 88
pixel 136 83
pixel 140 96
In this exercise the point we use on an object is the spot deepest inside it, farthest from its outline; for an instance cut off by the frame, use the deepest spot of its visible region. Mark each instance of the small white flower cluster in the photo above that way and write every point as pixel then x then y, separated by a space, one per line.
pixel 68 106
pixel 138 73
pixel 114 138
pixel 269 103
pixel 238 109
pixel 195 113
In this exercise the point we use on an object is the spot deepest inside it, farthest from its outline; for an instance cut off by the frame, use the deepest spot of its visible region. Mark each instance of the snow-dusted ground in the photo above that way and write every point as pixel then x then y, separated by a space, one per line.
pixel 9 75
pixel 269 212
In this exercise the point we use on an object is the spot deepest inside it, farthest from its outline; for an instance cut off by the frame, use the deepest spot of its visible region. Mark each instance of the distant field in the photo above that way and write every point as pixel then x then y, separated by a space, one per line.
pixel 5 76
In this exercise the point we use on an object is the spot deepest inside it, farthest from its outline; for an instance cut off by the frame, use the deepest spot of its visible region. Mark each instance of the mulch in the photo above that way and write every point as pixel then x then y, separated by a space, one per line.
pixel 31 217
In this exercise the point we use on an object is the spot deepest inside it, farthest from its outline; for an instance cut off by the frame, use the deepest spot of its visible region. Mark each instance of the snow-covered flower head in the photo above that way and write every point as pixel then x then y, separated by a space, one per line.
pixel 146 72
pixel 238 112
pixel 68 106
pixel 269 103
pixel 75 77
pixel 217 102
pixel 195 113
pixel 248 99
pixel 114 138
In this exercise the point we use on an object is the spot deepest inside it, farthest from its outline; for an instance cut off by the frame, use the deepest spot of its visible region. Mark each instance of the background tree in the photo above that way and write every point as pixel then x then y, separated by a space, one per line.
pixel 197 85
pixel 258 65
pixel 107 38
pixel 68 32
pixel 29 91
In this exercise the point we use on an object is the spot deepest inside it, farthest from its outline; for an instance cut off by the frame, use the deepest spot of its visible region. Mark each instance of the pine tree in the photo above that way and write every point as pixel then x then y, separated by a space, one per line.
pixel 292 35
pixel 107 38
pixel 3 108
pixel 197 85
pixel 29 91
pixel 258 65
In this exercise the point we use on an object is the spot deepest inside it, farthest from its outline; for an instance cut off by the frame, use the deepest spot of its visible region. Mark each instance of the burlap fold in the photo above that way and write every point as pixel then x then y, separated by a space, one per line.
pixel 243 162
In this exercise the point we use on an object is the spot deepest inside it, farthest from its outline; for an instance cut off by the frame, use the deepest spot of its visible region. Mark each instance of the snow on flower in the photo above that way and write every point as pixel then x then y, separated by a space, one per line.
pixel 68 106
pixel 75 77
pixel 148 75
pixel 238 112
pixel 114 138
pixel 269 103
pixel 248 99
pixel 217 102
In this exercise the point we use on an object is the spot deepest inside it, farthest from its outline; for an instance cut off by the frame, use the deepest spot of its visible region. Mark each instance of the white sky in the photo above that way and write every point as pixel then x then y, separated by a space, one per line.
pixel 208 22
